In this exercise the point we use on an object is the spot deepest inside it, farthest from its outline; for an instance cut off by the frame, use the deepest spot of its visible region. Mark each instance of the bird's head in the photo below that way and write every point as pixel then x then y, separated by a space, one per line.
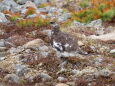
pixel 56 27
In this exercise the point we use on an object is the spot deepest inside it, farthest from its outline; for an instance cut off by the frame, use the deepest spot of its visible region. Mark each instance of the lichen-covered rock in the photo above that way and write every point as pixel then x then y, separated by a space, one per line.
pixel 9 5
pixel 34 44
pixel 22 1
pixel 61 84
pixel 112 52
pixel 2 18
pixel 12 78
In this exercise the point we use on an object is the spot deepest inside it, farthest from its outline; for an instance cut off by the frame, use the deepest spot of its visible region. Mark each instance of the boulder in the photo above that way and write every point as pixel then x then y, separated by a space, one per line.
pixel 61 84
pixel 22 1
pixel 2 18
pixel 7 5
pixel 34 44
pixel 109 37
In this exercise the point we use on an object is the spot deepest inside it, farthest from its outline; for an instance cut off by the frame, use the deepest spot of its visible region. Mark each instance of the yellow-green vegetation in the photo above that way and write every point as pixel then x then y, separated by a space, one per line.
pixel 43 5
pixel 14 18
pixel 95 9
pixel 37 22
pixel 30 11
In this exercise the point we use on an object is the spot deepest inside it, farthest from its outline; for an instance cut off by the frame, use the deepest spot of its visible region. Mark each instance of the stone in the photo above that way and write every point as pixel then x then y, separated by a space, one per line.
pixel 2 43
pixel 109 37
pixel 47 32
pixel 112 52
pixel 2 18
pixel 38 2
pixel 12 78
pixel 61 79
pixel 61 84
pixel 96 23
pixel 32 16
pixel 105 72
pixel 80 43
pixel 22 1
pixel 21 69
pixel 2 49
pixel 45 77
pixel 7 5
pixel 3 54
pixel 2 58
pixel 34 44
pixel 30 4
pixel 64 17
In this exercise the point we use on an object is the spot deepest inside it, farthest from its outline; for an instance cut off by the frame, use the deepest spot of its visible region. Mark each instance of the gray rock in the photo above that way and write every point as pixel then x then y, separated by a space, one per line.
pixel 64 17
pixel 45 77
pixel 12 78
pixel 7 4
pixel 14 50
pixel 105 72
pixel 78 24
pixel 38 2
pixel 2 18
pixel 22 1
pixel 95 23
pixel 43 48
pixel 21 69
pixel 112 52
pixel 61 79
pixel 2 43
pixel 3 54
pixel 2 58
pixel 47 32
pixel 41 10
pixel 32 16
pixel 2 49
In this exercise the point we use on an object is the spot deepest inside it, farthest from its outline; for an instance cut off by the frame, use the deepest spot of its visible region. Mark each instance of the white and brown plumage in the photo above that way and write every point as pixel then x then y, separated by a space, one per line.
pixel 64 42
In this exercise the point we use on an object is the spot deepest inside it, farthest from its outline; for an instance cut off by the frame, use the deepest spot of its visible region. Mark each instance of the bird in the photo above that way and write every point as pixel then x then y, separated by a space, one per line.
pixel 62 41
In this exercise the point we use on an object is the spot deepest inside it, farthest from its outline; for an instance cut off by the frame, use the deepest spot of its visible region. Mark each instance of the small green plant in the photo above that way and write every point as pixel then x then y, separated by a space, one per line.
pixel 13 18
pixel 108 15
pixel 84 4
pixel 39 23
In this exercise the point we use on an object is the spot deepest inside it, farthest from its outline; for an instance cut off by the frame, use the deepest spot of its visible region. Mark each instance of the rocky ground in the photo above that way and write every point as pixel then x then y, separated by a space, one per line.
pixel 28 59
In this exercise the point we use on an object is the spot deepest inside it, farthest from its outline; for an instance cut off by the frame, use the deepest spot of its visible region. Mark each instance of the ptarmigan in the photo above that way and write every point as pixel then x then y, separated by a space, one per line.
pixel 64 42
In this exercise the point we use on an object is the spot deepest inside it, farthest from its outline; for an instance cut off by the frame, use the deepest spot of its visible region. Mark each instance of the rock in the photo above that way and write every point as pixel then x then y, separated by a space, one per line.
pixel 105 72
pixel 61 79
pixel 3 54
pixel 64 17
pixel 80 43
pixel 21 69
pixel 12 78
pixel 32 16
pixel 7 5
pixel 30 4
pixel 34 44
pixel 22 1
pixel 78 24
pixel 17 50
pixel 45 77
pixel 2 18
pixel 2 49
pixel 2 43
pixel 47 32
pixel 95 23
pixel 98 60
pixel 112 52
pixel 109 37
pixel 61 84
pixel 2 58
pixel 38 2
